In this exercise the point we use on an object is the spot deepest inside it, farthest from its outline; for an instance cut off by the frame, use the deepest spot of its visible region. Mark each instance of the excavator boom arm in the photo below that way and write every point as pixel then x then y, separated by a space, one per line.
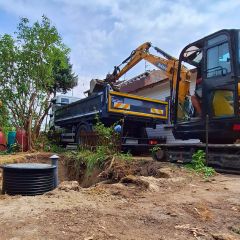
pixel 135 57
pixel 168 64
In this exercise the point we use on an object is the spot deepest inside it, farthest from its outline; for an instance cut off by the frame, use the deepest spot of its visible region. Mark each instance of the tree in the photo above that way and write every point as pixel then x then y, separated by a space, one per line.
pixel 5 124
pixel 65 79
pixel 34 65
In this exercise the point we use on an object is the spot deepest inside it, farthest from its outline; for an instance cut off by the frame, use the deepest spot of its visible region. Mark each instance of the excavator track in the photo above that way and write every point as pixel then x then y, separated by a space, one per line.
pixel 223 158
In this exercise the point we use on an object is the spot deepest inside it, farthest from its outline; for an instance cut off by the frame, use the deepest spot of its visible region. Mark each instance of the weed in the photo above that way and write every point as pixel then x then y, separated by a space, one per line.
pixel 198 164
pixel 155 149
pixel 124 156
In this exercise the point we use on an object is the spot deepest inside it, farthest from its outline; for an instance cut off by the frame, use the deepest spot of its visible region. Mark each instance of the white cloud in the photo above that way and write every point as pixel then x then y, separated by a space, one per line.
pixel 101 33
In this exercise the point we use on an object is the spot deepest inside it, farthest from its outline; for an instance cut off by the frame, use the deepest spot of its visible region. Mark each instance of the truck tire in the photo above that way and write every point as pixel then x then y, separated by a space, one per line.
pixel 82 128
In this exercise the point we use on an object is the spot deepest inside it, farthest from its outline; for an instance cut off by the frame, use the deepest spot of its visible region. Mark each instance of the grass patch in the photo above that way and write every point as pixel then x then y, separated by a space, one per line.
pixel 85 159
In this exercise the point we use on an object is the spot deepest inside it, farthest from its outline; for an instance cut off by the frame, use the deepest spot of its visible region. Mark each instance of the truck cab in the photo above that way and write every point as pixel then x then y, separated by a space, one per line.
pixel 57 102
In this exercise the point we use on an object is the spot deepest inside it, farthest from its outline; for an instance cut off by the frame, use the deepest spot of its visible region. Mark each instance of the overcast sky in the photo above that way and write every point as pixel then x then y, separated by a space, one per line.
pixel 102 33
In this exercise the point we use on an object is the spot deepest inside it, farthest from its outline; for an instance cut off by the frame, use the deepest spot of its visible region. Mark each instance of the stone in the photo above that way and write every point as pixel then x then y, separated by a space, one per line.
pixel 69 185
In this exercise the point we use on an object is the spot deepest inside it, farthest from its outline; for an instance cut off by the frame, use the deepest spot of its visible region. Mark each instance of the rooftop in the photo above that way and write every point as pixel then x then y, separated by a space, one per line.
pixel 146 79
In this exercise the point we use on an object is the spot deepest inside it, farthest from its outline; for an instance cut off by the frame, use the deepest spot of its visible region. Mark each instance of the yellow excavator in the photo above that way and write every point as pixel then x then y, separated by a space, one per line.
pixel 169 65
pixel 166 63
pixel 188 106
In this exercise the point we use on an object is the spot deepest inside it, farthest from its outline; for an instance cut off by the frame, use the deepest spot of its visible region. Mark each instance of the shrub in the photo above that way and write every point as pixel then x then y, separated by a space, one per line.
pixel 198 164
pixel 107 148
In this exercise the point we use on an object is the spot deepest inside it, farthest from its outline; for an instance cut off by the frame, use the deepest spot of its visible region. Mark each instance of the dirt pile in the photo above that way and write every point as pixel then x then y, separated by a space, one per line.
pixel 119 169
pixel 115 169
pixel 144 200
pixel 180 206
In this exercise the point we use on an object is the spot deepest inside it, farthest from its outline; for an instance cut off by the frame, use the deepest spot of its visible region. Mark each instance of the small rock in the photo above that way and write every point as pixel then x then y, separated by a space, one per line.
pixel 177 179
pixel 89 238
pixel 236 229
pixel 69 185
pixel 234 208
pixel 223 237
pixel 172 214
pixel 51 193
pixel 135 181
pixel 164 172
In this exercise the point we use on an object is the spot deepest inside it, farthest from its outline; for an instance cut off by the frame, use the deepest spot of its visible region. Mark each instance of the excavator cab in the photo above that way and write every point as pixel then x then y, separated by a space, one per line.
pixel 213 93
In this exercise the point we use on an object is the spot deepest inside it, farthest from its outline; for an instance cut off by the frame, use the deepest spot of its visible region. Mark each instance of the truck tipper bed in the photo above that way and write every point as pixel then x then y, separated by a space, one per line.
pixel 135 112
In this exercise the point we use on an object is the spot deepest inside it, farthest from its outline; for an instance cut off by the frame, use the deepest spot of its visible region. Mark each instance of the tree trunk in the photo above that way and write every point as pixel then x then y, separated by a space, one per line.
pixel 38 124
pixel 29 133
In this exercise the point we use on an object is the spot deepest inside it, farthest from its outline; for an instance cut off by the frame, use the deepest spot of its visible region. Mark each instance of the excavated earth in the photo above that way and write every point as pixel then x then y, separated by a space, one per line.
pixel 169 203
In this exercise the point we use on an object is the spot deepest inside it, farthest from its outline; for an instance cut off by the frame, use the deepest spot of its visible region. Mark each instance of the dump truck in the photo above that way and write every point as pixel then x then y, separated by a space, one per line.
pixel 133 113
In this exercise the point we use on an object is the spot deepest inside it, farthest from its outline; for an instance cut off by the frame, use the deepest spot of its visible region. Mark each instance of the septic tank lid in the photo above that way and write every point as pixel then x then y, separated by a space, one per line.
pixel 28 166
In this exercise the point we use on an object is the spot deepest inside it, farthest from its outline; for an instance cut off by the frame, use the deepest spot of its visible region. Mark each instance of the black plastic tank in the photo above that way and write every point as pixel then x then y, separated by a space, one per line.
pixel 27 178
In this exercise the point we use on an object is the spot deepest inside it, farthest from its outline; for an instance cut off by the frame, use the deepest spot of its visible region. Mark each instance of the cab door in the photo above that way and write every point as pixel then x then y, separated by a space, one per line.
pixel 218 82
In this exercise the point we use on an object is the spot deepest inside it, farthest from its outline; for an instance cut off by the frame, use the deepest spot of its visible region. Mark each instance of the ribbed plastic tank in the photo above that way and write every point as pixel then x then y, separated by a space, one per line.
pixel 27 178
pixel 11 138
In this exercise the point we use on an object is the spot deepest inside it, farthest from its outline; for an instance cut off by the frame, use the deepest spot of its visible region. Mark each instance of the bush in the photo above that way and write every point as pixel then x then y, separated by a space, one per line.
pixel 44 143
pixel 198 164
pixel 107 148
pixel 107 136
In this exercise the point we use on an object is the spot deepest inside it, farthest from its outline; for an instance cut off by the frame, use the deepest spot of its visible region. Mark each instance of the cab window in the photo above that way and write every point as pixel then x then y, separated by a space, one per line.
pixel 218 60
pixel 217 39
pixel 64 101
pixel 239 46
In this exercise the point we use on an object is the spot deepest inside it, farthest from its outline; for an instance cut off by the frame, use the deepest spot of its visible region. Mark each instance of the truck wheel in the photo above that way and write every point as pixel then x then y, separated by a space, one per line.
pixel 82 129
pixel 159 155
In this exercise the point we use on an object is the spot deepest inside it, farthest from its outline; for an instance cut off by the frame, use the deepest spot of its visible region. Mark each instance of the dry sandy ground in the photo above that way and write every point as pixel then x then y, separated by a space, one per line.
pixel 183 206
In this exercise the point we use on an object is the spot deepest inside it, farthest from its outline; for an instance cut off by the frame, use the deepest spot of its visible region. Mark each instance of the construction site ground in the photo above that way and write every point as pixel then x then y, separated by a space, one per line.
pixel 175 204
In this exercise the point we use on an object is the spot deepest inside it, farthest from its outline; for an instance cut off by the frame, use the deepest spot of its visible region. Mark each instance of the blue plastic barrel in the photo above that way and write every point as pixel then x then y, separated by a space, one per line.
pixel 11 138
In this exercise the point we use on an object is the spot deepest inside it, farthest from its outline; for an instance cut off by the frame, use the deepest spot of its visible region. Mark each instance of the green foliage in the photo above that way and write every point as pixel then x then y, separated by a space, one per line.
pixel 34 64
pixel 198 164
pixel 106 150
pixel 86 159
pixel 124 156
pixel 155 149
pixel 65 79
pixel 96 158
pixel 5 124
pixel 44 143
pixel 14 148
pixel 107 136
